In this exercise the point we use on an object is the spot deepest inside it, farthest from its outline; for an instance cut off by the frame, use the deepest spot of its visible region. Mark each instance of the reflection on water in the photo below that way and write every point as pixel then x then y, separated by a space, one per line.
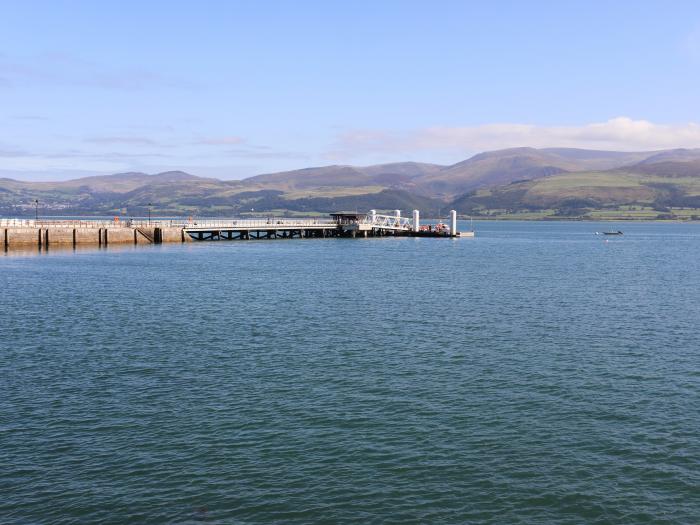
pixel 534 374
pixel 67 249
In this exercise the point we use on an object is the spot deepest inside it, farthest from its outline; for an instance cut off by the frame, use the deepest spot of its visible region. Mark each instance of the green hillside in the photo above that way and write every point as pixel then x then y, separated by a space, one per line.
pixel 512 183
pixel 658 190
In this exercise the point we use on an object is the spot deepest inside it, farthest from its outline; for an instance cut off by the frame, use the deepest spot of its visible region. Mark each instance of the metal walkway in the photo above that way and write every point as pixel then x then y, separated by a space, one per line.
pixel 341 225
pixel 274 228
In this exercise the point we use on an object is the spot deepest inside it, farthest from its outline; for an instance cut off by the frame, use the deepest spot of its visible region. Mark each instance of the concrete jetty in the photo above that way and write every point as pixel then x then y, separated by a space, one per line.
pixel 47 233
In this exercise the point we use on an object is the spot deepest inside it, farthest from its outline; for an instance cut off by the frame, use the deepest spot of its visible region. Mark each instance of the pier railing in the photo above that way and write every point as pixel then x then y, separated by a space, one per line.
pixel 388 222
pixel 72 223
pixel 167 223
pixel 260 223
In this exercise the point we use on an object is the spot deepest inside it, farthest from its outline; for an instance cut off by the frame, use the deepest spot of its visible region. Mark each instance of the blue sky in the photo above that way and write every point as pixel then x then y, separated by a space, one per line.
pixel 231 89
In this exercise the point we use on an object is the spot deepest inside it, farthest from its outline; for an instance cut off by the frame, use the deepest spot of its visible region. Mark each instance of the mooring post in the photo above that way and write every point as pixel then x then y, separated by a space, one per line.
pixel 453 223
pixel 416 220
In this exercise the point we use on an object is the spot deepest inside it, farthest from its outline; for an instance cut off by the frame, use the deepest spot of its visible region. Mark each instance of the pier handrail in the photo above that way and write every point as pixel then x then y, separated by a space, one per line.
pixel 18 223
pixel 166 223
pixel 259 223
pixel 387 221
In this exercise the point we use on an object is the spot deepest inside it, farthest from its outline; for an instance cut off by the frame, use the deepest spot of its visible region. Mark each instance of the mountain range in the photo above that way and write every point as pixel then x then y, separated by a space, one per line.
pixel 564 181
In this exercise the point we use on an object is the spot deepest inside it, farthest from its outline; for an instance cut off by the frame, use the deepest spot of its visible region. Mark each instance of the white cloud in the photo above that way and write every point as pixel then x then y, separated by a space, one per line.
pixel 44 164
pixel 621 134
pixel 51 69
pixel 222 141
pixel 258 154
pixel 137 141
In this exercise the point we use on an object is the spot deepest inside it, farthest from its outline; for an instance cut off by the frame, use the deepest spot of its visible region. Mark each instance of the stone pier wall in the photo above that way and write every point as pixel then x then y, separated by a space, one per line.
pixel 59 236
pixel 119 236
pixel 22 236
pixel 44 237
pixel 87 235
pixel 174 235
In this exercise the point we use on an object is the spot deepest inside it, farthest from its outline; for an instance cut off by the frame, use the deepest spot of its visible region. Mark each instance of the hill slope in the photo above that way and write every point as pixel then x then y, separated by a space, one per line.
pixel 483 170
pixel 394 174
pixel 513 179
pixel 658 186
pixel 180 194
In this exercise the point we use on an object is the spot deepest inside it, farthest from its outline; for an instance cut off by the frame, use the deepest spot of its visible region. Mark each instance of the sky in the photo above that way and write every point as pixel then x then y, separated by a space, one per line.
pixel 230 89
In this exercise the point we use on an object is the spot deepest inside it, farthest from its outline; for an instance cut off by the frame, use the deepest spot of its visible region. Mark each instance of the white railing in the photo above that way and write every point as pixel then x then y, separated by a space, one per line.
pixel 169 223
pixel 387 222
pixel 18 223
pixel 65 223
pixel 261 223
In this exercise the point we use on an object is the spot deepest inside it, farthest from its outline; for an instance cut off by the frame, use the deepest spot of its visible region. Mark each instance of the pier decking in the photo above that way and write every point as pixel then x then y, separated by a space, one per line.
pixel 45 233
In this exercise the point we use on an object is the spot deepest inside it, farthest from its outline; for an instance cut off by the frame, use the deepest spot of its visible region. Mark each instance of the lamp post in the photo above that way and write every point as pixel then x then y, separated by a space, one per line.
pixel 36 211
pixel 149 213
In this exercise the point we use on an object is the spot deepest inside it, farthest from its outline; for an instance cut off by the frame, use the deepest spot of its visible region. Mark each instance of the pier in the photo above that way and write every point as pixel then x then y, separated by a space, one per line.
pixel 46 233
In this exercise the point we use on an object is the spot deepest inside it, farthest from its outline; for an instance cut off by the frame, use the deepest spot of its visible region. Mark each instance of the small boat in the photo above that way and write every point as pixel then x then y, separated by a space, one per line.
pixel 618 232
pixel 470 233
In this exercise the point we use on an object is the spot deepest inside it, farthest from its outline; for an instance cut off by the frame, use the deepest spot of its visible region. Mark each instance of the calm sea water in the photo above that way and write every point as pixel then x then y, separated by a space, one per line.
pixel 535 374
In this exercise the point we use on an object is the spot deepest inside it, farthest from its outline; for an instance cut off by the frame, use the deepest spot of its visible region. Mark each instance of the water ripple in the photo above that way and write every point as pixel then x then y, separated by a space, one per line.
pixel 532 375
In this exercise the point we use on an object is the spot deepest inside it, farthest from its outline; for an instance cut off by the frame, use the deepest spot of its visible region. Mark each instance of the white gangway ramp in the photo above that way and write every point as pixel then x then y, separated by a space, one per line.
pixel 387 222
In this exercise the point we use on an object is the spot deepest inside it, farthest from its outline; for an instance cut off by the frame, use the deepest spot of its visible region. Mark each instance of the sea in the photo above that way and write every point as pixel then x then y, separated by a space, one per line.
pixel 535 374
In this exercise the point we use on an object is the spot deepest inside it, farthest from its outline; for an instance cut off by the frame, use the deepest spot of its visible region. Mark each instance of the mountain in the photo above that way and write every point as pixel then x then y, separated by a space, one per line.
pixel 674 155
pixel 179 193
pixel 657 186
pixel 493 168
pixel 445 182
pixel 587 159
pixel 666 168
pixel 120 182
pixel 505 166
pixel 517 179
pixel 313 177
pixel 393 174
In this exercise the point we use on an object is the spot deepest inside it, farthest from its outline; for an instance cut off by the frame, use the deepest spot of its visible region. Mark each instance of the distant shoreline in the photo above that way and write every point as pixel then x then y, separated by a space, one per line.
pixel 564 219
pixel 317 214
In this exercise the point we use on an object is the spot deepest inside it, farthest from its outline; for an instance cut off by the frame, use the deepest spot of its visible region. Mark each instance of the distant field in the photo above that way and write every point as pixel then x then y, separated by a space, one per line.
pixel 330 191
pixel 594 179
pixel 608 214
